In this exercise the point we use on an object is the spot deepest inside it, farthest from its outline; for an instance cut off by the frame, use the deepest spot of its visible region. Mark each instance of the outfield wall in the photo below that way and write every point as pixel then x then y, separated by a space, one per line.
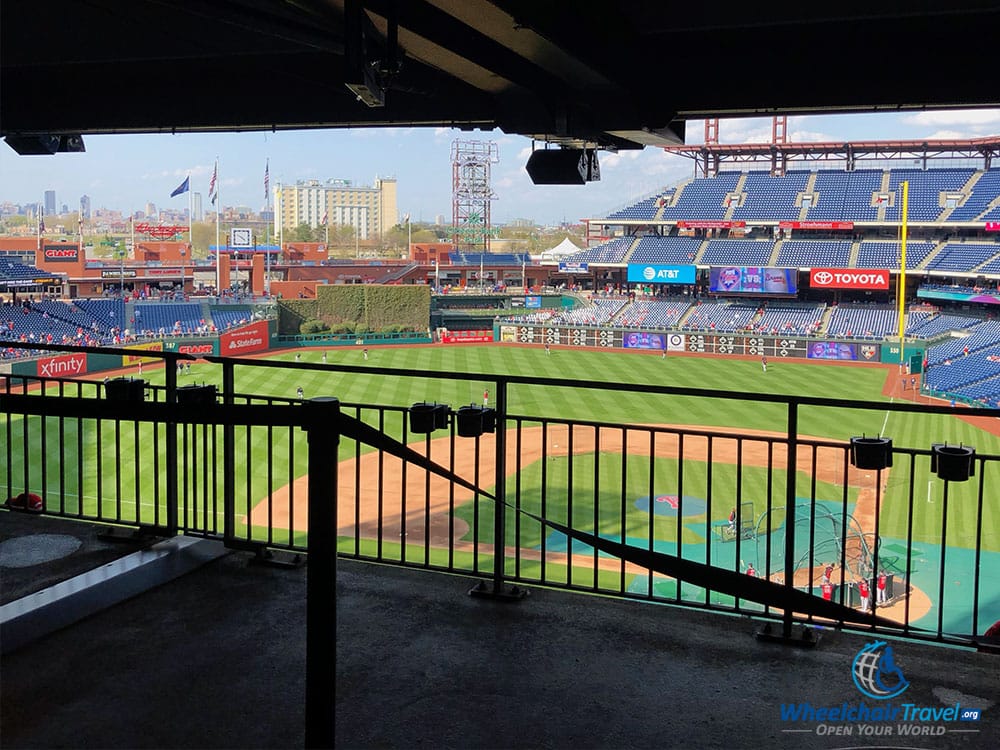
pixel 782 347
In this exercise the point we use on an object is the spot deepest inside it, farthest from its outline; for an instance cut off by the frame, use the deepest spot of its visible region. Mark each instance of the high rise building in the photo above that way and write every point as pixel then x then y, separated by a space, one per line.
pixel 151 211
pixel 85 206
pixel 50 202
pixel 199 215
pixel 371 210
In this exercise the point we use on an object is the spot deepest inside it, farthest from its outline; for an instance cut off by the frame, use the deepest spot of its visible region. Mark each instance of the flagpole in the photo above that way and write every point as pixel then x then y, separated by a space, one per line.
pixel 218 215
pixel 267 228
pixel 901 288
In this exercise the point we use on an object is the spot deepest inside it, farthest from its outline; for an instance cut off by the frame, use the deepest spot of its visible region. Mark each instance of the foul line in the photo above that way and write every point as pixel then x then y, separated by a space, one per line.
pixel 892 400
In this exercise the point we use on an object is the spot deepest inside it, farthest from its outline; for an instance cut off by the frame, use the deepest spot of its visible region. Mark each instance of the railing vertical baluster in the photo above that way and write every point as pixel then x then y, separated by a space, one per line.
pixel 976 593
pixel 229 459
pixel 791 461
pixel 172 468
pixel 944 551
pixel 500 489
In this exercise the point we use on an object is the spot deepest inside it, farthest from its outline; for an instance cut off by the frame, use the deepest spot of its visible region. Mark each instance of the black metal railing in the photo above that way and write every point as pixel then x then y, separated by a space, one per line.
pixel 615 508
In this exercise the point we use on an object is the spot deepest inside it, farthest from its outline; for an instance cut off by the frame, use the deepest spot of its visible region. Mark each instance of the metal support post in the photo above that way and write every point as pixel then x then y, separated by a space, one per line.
pixel 321 572
pixel 499 590
pixel 806 638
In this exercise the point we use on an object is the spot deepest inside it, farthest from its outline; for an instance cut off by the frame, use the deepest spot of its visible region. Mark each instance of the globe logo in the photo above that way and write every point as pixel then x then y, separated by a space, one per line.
pixel 875 672
pixel 649 273
pixel 823 277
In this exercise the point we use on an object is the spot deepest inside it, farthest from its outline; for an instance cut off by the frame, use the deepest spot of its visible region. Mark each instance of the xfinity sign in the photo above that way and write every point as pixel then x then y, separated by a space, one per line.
pixel 654 273
pixel 848 278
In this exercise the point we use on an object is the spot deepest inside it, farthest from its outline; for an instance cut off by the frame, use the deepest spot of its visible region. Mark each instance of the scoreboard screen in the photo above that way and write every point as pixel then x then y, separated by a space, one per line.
pixel 719 344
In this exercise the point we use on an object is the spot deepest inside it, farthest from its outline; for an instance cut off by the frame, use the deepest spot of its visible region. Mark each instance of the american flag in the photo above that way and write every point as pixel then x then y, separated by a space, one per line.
pixel 267 178
pixel 212 193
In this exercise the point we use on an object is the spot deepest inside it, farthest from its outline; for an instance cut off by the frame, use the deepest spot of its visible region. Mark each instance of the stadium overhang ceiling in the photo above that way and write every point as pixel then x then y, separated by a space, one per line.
pixel 609 75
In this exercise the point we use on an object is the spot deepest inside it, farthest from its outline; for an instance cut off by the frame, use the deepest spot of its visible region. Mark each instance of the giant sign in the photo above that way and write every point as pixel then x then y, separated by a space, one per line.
pixel 848 278
pixel 246 340
pixel 61 253
pixel 657 273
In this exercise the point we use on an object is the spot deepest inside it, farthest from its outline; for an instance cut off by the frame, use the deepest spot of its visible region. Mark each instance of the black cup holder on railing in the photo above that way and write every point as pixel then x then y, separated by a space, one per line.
pixel 425 417
pixel 473 421
pixel 125 389
pixel 871 452
pixel 956 463
pixel 196 394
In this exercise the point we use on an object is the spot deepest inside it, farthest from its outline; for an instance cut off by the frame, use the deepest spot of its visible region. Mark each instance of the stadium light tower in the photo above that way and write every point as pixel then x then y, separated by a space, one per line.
pixel 472 194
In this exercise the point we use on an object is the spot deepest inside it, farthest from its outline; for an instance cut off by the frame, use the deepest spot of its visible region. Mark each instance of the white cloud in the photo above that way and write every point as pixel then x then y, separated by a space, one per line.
pixel 524 153
pixel 948 134
pixel 811 136
pixel 967 117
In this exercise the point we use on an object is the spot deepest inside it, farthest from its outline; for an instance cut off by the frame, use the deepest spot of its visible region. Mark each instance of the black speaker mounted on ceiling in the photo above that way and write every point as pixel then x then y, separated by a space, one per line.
pixel 563 166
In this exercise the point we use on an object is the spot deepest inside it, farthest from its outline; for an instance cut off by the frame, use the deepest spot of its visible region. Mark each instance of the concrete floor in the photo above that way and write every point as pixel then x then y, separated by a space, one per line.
pixel 215 658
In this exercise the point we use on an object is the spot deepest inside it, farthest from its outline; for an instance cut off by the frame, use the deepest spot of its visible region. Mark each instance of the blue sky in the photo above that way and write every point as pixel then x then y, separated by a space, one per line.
pixel 125 171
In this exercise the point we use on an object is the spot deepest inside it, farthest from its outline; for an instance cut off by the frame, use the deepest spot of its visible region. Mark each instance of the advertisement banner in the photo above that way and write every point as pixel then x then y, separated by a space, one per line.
pixel 753 280
pixel 65 366
pixel 252 338
pixel 508 334
pixel 835 350
pixel 816 225
pixel 569 267
pixel 533 302
pixel 982 298
pixel 707 224
pixel 130 360
pixel 657 273
pixel 197 349
pixel 675 342
pixel 643 341
pixel 61 253
pixel 993 226
pixel 848 278
pixel 467 337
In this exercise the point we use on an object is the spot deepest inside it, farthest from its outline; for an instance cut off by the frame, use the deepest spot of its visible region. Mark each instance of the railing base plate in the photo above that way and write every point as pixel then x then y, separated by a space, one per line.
pixel 129 535
pixel 806 638
pixel 277 559
pixel 486 590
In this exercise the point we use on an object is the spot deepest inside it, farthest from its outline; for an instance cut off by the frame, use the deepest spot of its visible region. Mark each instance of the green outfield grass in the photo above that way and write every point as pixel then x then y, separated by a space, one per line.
pixel 917 430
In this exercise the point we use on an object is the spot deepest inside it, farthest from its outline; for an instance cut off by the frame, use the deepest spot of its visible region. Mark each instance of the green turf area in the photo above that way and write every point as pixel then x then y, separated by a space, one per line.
pixel 573 503
pixel 288 447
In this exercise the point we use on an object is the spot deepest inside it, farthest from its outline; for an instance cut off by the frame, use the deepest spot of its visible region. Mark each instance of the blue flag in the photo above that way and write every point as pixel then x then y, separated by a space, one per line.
pixel 183 187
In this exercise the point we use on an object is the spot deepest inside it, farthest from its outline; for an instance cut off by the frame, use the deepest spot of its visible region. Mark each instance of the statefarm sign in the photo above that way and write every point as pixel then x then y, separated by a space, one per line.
pixel 993 226
pixel 67 366
pixel 244 341
pixel 848 278
pixel 816 225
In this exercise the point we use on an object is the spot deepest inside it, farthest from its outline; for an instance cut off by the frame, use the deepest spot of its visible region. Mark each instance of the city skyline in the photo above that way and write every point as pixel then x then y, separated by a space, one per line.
pixel 125 172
